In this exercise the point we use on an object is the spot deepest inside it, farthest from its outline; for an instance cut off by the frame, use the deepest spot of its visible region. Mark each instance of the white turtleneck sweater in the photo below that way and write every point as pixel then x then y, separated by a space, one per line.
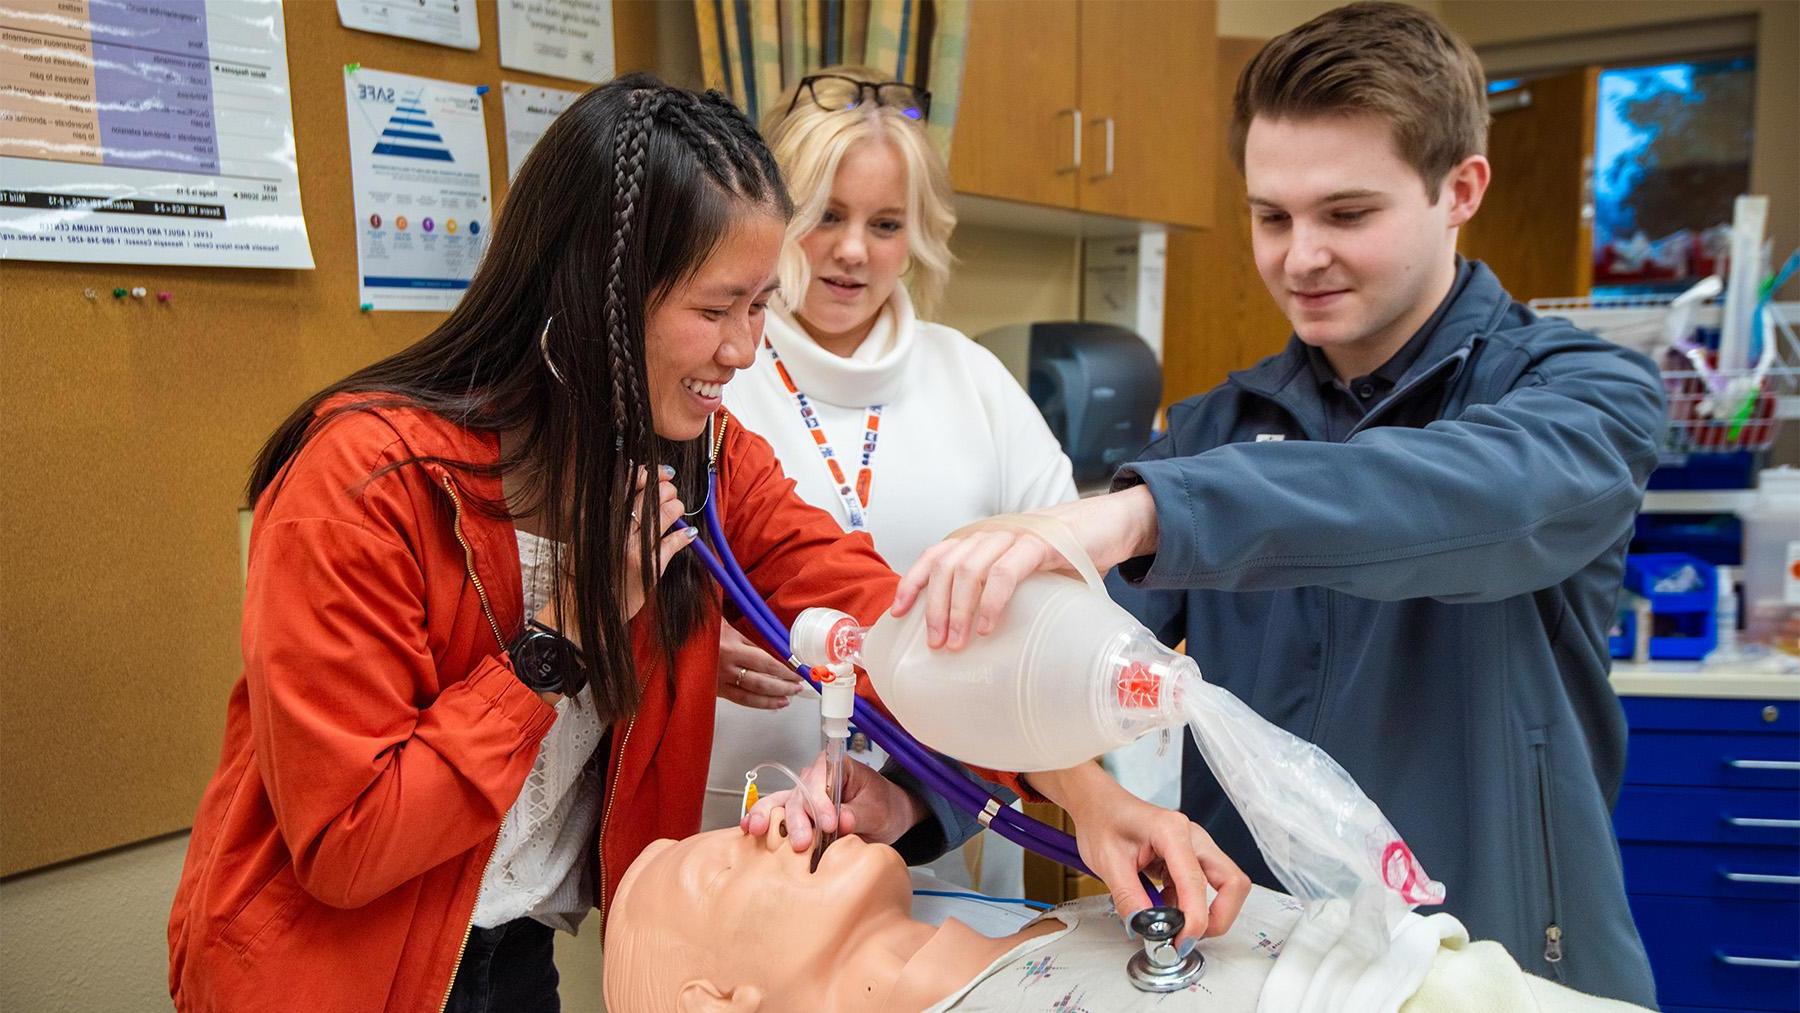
pixel 959 441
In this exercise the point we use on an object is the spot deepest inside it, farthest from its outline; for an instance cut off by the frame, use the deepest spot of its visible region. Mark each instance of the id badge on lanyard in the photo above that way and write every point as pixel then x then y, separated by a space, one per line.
pixel 855 496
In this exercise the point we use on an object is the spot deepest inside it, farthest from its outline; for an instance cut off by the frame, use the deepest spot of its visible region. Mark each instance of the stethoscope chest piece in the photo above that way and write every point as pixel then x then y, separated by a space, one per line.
pixel 1159 967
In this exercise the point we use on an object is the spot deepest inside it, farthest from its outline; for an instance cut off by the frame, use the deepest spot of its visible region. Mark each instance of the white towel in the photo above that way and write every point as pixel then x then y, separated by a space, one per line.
pixel 1323 970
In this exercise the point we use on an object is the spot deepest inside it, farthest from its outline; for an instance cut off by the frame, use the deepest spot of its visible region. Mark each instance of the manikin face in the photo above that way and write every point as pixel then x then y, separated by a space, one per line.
pixel 1345 235
pixel 858 251
pixel 731 909
pixel 701 332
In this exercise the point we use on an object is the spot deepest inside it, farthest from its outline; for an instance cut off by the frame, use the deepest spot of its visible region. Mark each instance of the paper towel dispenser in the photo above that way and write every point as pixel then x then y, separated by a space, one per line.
pixel 1097 385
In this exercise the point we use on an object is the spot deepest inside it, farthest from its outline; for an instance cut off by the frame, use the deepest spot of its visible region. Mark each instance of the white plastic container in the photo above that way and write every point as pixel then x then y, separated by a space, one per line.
pixel 1066 676
pixel 1771 569
pixel 1725 615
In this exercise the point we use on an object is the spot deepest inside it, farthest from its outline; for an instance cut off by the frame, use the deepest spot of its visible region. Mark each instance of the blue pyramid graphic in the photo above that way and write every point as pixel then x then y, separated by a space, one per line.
pixel 411 134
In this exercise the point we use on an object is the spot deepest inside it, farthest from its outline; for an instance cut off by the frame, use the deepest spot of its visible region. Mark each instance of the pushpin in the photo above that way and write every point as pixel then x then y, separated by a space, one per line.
pixel 366 307
pixel 90 294
pixel 351 68
pixel 119 293
pixel 139 292
pixel 481 89
pixel 165 297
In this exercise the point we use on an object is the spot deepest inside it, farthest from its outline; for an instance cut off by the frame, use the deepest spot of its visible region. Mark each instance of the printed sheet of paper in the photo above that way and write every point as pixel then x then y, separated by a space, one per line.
pixel 562 38
pixel 445 22
pixel 148 132
pixel 419 170
pixel 529 112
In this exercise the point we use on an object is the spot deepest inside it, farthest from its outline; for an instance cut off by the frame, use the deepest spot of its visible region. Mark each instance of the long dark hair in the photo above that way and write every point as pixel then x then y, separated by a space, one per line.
pixel 624 197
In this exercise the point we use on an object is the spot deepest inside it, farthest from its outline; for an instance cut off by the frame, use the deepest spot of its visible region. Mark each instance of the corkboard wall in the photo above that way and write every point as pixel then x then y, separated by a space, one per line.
pixel 127 429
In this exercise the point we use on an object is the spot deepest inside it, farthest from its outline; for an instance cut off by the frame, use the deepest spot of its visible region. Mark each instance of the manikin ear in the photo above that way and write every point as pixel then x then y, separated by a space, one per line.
pixel 1464 186
pixel 700 996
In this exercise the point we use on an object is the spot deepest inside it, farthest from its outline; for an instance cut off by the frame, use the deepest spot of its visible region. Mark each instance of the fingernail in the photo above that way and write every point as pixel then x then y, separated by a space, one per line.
pixel 692 532
pixel 666 471
pixel 1186 947
pixel 986 626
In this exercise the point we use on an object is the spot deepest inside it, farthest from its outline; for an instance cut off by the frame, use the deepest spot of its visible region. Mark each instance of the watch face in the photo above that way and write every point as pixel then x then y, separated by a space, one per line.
pixel 540 660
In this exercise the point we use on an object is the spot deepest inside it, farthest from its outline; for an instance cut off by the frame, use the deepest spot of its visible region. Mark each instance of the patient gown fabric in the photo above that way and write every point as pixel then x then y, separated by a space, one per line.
pixel 1081 969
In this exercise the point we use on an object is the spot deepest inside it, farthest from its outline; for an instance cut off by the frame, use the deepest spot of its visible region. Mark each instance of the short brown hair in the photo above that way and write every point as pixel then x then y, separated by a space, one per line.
pixel 1387 59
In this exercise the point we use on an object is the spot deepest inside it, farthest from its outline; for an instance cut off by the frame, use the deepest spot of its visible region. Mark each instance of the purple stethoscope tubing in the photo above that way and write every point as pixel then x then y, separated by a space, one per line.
pixel 962 792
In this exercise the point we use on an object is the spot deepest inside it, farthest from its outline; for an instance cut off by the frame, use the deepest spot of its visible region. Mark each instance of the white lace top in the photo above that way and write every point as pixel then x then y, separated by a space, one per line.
pixel 540 867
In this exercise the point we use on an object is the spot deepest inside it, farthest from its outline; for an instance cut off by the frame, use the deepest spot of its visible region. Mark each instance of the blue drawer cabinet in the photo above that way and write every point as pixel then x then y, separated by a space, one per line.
pixel 1709 831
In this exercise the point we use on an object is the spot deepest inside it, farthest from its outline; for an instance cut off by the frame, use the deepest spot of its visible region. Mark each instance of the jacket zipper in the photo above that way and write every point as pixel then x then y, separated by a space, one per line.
pixel 493 624
pixel 1553 933
pixel 1325 654
pixel 612 790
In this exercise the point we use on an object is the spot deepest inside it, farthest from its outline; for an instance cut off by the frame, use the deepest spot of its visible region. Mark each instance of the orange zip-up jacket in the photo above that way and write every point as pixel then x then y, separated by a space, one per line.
pixel 378 736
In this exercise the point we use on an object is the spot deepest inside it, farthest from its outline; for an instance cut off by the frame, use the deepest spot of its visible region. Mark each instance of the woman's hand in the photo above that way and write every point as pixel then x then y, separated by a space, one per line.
pixel 669 510
pixel 749 677
pixel 966 582
pixel 1120 835
pixel 875 808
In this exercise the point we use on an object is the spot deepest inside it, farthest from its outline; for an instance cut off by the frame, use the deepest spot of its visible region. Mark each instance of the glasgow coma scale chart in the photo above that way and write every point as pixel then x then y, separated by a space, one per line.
pixel 148 132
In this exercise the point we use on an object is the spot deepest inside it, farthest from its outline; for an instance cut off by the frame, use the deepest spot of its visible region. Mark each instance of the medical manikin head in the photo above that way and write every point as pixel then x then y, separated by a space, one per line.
pixel 726 921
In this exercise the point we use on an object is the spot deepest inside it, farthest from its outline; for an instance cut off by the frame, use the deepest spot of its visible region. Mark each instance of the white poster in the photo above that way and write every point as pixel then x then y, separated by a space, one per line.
pixel 529 112
pixel 149 132
pixel 419 169
pixel 445 22
pixel 562 38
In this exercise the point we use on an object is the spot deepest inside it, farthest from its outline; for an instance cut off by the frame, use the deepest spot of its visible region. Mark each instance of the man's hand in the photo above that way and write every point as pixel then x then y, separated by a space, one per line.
pixel 966 582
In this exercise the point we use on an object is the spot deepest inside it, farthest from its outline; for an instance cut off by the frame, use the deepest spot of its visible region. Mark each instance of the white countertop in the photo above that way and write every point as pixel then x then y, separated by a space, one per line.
pixel 1691 679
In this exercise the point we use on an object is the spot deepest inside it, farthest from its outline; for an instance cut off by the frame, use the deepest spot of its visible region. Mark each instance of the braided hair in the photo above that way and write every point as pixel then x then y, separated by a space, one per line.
pixel 624 197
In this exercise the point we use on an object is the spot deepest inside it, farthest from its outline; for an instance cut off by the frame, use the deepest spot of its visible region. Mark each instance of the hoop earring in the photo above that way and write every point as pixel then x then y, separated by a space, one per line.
pixel 544 350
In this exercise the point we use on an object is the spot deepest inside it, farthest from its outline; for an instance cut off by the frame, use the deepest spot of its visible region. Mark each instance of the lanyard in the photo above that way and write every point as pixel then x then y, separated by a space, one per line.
pixel 856 499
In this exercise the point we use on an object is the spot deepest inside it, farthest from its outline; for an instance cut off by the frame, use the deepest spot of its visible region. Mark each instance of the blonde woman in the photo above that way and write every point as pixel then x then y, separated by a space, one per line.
pixel 899 427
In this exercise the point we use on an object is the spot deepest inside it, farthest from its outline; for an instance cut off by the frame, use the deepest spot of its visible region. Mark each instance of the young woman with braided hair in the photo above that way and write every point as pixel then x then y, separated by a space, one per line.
pixel 478 671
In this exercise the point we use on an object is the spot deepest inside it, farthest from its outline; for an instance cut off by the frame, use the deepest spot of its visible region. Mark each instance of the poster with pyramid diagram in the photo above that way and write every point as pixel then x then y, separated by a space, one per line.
pixel 419 168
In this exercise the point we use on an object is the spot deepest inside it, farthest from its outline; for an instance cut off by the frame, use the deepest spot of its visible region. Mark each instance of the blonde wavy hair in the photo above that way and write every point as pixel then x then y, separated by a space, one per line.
pixel 810 143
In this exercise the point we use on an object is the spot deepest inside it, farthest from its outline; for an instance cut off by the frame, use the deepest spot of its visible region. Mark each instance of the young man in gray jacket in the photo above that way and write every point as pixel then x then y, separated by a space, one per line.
pixel 1401 538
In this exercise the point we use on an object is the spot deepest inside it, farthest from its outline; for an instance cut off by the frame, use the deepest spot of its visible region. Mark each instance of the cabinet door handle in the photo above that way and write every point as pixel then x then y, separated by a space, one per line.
pixel 1764 764
pixel 1757 821
pixel 1760 877
pixel 1786 965
pixel 1074 166
pixel 1111 125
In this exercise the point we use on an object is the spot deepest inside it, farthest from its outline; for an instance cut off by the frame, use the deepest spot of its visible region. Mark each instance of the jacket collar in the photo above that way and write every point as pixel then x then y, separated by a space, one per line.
pixel 1478 311
pixel 874 375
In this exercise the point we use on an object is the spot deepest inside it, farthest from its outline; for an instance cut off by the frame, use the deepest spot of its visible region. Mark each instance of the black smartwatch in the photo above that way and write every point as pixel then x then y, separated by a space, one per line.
pixel 546 661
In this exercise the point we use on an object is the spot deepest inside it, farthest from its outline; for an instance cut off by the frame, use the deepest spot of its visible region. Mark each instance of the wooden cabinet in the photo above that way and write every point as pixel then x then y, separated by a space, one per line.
pixel 1017 122
pixel 1105 107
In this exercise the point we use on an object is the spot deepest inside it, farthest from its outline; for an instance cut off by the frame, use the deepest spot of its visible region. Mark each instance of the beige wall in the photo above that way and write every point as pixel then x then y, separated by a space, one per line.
pixel 1006 277
pixel 92 934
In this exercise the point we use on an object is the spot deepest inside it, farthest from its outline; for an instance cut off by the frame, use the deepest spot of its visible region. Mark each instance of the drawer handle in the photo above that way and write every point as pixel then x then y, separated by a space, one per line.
pixel 1764 764
pixel 1760 877
pixel 1786 965
pixel 1757 821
